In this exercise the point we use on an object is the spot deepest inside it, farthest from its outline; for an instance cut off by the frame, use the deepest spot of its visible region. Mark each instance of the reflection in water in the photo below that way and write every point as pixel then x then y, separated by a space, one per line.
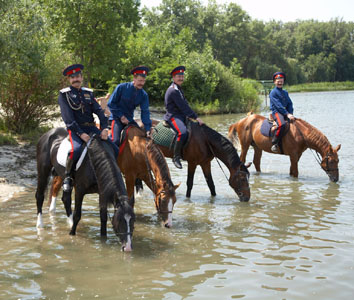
pixel 293 240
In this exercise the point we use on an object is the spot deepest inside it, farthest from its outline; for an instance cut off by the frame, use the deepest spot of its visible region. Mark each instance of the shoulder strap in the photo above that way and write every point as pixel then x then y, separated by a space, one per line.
pixel 87 89
pixel 65 90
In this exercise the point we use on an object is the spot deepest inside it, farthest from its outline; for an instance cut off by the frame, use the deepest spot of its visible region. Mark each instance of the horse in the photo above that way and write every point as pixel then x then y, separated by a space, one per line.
pixel 98 173
pixel 301 135
pixel 140 158
pixel 203 145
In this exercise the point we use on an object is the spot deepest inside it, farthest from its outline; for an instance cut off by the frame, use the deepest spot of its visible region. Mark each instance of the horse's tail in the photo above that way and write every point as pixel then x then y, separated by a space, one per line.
pixel 233 137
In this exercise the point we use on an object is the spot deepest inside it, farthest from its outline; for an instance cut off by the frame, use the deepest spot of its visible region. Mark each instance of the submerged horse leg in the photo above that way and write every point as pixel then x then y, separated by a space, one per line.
pixel 257 158
pixel 53 194
pixel 103 216
pixel 130 182
pixel 293 167
pixel 190 178
pixel 42 181
pixel 77 211
pixel 209 179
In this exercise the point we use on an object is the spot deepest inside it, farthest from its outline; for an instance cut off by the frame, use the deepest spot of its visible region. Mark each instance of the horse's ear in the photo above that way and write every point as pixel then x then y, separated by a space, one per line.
pixel 337 148
pixel 131 201
pixel 176 186
pixel 248 165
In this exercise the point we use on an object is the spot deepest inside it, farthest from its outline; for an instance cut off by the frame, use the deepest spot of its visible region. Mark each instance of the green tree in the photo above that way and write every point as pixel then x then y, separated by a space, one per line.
pixel 29 80
pixel 95 33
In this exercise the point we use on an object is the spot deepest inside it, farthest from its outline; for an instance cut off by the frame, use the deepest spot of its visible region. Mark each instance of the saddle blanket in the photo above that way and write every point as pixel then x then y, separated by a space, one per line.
pixel 266 128
pixel 164 136
pixel 63 151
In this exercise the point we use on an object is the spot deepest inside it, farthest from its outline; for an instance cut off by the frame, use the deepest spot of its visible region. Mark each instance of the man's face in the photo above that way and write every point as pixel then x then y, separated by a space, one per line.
pixel 76 81
pixel 279 82
pixel 178 79
pixel 139 82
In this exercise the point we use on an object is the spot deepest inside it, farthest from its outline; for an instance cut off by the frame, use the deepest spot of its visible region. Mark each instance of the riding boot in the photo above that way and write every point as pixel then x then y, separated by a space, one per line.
pixel 177 155
pixel 68 181
pixel 275 141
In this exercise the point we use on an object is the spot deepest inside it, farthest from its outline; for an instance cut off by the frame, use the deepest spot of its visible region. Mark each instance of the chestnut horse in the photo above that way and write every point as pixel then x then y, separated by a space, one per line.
pixel 205 144
pixel 140 158
pixel 301 135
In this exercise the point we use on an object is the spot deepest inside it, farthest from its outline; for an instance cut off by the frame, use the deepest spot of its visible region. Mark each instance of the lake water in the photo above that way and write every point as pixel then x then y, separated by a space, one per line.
pixel 293 240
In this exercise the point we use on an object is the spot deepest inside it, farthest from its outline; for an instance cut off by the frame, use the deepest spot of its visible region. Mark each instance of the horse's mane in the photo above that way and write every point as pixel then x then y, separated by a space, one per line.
pixel 156 155
pixel 109 178
pixel 222 147
pixel 314 135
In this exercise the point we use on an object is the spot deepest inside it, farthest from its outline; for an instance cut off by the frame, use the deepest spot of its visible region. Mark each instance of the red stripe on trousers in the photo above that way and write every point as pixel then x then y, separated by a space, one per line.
pixel 279 124
pixel 112 129
pixel 72 145
pixel 176 126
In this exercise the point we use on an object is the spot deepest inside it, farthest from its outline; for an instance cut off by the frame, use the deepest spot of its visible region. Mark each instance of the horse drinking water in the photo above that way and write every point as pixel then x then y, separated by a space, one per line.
pixel 301 135
pixel 203 145
pixel 98 173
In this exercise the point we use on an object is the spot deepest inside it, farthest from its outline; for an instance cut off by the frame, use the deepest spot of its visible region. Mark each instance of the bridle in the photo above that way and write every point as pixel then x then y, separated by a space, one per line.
pixel 119 234
pixel 153 184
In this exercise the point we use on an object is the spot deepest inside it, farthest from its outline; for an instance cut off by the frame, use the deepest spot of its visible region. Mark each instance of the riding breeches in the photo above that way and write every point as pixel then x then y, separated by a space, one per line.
pixel 281 122
pixel 180 128
pixel 116 130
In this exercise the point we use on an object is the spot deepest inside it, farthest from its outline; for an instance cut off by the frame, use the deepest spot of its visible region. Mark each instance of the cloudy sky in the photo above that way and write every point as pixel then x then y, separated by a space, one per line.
pixel 288 10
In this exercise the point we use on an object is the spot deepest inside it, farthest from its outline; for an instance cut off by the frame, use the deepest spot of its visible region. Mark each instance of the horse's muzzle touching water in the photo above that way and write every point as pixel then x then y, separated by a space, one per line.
pixel 239 181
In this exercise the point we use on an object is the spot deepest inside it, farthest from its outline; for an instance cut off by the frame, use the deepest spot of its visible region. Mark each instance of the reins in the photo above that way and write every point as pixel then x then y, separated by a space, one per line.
pixel 151 177
pixel 317 157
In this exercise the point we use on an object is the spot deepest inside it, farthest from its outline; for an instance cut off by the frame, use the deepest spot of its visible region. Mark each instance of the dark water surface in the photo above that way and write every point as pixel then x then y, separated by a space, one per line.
pixel 293 240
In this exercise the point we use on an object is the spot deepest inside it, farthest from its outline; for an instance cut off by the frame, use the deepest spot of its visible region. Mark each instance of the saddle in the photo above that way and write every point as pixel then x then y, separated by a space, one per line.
pixel 268 128
pixel 64 150
pixel 164 135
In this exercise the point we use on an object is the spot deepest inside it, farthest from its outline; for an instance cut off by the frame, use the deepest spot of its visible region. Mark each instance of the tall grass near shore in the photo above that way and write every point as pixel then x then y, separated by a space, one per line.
pixel 321 87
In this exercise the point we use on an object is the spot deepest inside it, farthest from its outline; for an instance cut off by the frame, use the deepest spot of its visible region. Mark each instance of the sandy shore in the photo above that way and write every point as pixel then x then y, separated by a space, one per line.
pixel 17 170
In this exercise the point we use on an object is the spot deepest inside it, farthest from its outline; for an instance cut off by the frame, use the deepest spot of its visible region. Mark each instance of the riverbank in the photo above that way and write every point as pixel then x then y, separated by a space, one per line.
pixel 321 87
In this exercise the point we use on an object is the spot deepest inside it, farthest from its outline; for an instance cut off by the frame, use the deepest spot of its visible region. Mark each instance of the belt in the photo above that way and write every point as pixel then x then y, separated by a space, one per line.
pixel 93 124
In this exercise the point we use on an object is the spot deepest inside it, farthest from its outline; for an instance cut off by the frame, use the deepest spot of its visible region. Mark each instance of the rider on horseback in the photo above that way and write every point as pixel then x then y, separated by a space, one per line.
pixel 77 106
pixel 281 107
pixel 125 98
pixel 177 111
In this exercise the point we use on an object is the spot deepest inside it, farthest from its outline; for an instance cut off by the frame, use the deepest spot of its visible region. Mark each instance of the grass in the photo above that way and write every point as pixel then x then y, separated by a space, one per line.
pixel 30 138
pixel 321 87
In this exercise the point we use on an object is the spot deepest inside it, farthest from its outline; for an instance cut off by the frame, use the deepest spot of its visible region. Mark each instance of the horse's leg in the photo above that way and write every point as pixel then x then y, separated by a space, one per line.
pixel 77 211
pixel 244 149
pixel 129 182
pixel 53 194
pixel 42 182
pixel 138 186
pixel 103 216
pixel 257 158
pixel 209 179
pixel 190 178
pixel 293 167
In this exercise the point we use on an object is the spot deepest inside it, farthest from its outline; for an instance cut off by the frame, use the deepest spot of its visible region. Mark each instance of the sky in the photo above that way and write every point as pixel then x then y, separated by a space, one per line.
pixel 288 10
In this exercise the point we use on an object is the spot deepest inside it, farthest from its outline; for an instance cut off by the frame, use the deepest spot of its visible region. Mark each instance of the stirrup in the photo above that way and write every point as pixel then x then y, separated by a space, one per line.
pixel 274 148
pixel 68 184
pixel 177 162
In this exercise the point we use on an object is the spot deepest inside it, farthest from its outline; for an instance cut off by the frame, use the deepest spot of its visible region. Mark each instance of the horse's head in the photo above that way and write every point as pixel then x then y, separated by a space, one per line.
pixel 330 162
pixel 239 182
pixel 165 199
pixel 123 221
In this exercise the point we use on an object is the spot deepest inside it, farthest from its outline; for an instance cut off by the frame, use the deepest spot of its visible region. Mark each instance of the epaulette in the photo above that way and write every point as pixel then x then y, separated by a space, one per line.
pixel 87 89
pixel 65 90
pixel 175 87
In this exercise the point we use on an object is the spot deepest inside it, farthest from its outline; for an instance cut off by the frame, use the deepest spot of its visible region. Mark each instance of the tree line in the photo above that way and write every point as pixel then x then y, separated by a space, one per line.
pixel 224 50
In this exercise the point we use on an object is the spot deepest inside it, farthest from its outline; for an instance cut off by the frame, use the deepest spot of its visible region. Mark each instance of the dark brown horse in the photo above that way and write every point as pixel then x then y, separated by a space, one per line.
pixel 140 158
pixel 205 144
pixel 301 135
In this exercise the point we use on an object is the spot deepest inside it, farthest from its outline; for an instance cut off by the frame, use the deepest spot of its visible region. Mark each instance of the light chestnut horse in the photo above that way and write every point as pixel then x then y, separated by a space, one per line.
pixel 301 135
